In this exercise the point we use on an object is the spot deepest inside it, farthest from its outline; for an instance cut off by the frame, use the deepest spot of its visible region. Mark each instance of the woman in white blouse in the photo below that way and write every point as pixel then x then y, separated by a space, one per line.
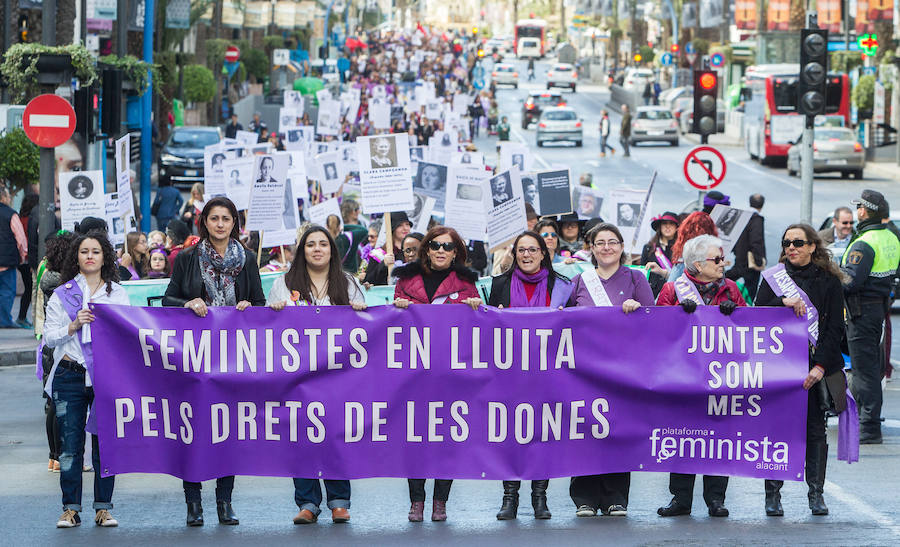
pixel 89 275
pixel 317 279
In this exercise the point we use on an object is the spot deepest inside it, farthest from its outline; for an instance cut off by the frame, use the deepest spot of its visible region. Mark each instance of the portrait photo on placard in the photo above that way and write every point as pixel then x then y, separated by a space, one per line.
pixel 431 177
pixel 530 191
pixel 266 169
pixel 727 222
pixel 627 215
pixel 81 187
pixel 587 202
pixel 383 152
pixel 501 189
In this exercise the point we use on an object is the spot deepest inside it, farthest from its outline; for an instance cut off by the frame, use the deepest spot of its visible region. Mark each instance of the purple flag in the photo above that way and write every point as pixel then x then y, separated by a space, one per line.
pixel 451 392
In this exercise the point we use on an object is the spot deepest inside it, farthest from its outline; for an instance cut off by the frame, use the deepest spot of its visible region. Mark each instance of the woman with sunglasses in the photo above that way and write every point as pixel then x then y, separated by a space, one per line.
pixel 316 278
pixel 810 267
pixel 549 232
pixel 702 283
pixel 610 283
pixel 217 271
pixel 531 282
pixel 438 276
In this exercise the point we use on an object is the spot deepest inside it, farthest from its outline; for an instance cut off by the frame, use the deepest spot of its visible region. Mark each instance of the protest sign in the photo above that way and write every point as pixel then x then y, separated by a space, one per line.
pixel 323 95
pixel 384 173
pixel 587 201
pixel 348 160
pixel 420 214
pixel 431 180
pixel 290 221
pixel 624 210
pixel 469 158
pixel 433 110
pixel 124 200
pixel 514 153
pixel 294 99
pixel 213 173
pixel 380 113
pixel 331 172
pixel 506 208
pixel 467 201
pixel 554 191
pixel 329 118
pixel 80 195
pixel 268 210
pixel 248 138
pixel 238 175
pixel 319 213
pixel 451 392
pixel 731 222
pixel 119 224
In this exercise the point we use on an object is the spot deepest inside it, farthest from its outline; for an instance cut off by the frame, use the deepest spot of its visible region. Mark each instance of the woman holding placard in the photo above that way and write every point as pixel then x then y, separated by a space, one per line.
pixel 217 271
pixel 816 281
pixel 439 276
pixel 316 278
pixel 610 283
pixel 531 282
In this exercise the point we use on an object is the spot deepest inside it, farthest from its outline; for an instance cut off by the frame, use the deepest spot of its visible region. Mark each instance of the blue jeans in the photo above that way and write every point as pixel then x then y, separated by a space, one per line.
pixel 72 399
pixel 308 494
pixel 7 296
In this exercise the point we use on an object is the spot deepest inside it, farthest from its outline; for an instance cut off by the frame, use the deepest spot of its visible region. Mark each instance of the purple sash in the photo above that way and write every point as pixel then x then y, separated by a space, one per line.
pixel 685 290
pixel 72 300
pixel 782 285
pixel 662 259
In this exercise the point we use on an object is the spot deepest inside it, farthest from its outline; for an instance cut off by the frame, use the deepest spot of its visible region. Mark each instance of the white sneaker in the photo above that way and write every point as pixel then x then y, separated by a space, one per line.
pixel 69 519
pixel 617 511
pixel 105 519
pixel 585 511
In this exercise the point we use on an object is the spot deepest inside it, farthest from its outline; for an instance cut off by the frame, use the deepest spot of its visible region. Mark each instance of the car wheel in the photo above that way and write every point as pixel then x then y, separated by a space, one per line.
pixel 515 86
pixel 573 89
pixel 548 86
pixel 578 144
pixel 674 143
pixel 540 143
pixel 846 174
pixel 524 124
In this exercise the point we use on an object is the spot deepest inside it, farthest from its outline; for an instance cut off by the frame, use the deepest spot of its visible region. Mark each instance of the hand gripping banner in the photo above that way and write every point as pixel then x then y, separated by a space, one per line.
pixel 451 392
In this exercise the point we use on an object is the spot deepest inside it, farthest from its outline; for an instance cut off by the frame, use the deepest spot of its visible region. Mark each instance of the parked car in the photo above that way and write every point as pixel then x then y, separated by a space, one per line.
pixel 529 48
pixel 834 149
pixel 181 159
pixel 559 123
pixel 536 102
pixel 668 97
pixel 680 106
pixel 687 118
pixel 636 79
pixel 653 123
pixel 562 75
pixel 505 74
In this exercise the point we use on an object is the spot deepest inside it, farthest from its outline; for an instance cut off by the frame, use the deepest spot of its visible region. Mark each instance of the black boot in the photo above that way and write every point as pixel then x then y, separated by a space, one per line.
pixel 539 499
pixel 773 499
pixel 194 513
pixel 816 459
pixel 510 500
pixel 226 513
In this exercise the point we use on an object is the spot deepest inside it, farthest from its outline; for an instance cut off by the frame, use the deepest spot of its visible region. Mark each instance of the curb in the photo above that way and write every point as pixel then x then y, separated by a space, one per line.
pixel 889 170
pixel 17 357
pixel 693 138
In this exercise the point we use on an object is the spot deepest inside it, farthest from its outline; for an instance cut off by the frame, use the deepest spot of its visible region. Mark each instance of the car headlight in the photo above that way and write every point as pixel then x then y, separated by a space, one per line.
pixel 169 158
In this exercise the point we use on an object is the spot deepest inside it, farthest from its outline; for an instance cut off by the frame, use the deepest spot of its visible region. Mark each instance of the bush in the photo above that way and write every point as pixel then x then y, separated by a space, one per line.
pixel 864 93
pixel 19 160
pixel 647 54
pixel 257 63
pixel 199 84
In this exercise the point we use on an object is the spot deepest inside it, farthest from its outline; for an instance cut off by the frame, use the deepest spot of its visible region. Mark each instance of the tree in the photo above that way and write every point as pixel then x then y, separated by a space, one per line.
pixel 257 63
pixel 864 92
pixel 199 84
pixel 19 160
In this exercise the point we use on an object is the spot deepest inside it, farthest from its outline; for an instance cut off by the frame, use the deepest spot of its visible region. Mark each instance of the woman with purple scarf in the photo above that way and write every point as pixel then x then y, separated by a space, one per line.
pixel 610 283
pixel 531 282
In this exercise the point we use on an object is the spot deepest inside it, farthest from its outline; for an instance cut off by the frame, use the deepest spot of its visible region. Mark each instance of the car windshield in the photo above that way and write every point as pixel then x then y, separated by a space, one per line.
pixel 559 115
pixel 550 99
pixel 504 69
pixel 563 68
pixel 193 139
pixel 654 115
pixel 832 134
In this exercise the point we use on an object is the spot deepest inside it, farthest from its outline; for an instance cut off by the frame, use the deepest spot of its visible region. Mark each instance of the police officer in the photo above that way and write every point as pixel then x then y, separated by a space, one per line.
pixel 870 261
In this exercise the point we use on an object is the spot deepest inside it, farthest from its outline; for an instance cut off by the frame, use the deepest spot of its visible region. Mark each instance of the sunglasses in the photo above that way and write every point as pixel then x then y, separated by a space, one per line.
pixel 716 260
pixel 549 234
pixel 447 246
pixel 797 243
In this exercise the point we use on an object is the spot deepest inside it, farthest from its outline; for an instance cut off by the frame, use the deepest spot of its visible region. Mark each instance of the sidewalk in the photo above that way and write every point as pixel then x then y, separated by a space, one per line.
pixel 885 164
pixel 719 139
pixel 17 346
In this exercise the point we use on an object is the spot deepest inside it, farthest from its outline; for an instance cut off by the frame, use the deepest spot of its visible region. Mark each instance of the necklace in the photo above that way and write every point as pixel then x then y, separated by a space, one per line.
pixel 318 293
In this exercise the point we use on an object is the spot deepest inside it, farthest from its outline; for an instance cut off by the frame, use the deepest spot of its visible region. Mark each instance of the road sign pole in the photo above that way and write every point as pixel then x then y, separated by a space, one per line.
pixel 146 127
pixel 806 171
pixel 47 201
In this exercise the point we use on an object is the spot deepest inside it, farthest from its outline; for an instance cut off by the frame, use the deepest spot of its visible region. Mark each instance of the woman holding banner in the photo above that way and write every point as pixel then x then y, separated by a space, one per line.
pixel 316 278
pixel 89 274
pixel 702 283
pixel 439 276
pixel 816 281
pixel 610 283
pixel 217 271
pixel 657 253
pixel 531 282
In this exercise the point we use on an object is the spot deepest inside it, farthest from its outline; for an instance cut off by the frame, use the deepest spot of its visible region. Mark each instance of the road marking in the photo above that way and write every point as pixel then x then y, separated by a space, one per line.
pixel 522 140
pixel 856 503
pixel 755 169
pixel 891 423
pixel 48 120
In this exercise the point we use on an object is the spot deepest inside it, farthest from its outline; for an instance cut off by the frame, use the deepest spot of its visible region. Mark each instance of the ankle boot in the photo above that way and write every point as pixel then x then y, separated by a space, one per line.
pixel 510 505
pixel 773 498
pixel 194 513
pixel 816 460
pixel 539 499
pixel 226 513
pixel 416 511
pixel 439 511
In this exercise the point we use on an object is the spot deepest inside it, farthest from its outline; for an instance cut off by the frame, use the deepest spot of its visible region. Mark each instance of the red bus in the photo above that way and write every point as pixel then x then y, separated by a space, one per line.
pixel 771 118
pixel 531 38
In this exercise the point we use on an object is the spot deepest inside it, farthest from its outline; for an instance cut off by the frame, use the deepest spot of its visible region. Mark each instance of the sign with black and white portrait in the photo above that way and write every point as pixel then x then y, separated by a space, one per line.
pixel 80 195
pixel 384 173
pixel 267 205
pixel 431 180
pixel 239 181
pixel 506 216
pixel 730 222
pixel 554 189
pixel 623 207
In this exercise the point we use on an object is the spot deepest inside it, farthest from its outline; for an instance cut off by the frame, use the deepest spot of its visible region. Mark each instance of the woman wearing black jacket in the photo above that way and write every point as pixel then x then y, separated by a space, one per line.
pixel 217 271
pixel 809 265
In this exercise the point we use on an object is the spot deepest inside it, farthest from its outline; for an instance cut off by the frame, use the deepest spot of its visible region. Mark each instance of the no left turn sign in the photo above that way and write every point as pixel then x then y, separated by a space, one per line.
pixel 704 167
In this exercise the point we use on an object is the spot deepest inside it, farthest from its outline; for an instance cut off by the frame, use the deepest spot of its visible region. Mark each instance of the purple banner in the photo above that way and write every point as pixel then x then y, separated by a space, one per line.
pixel 450 392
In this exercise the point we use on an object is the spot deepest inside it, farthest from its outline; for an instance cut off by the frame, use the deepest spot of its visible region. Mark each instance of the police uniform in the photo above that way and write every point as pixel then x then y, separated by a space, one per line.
pixel 870 262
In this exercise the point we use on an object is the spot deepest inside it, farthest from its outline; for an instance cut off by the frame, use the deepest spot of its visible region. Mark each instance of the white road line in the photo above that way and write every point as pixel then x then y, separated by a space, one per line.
pixel 858 504
pixel 891 423
pixel 755 169
pixel 537 156
pixel 48 120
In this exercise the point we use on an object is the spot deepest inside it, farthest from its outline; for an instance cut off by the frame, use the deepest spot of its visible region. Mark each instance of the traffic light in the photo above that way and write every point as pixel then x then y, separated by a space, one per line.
pixel 474 31
pixel 706 90
pixel 111 116
pixel 674 48
pixel 813 69
pixel 23 28
pixel 86 102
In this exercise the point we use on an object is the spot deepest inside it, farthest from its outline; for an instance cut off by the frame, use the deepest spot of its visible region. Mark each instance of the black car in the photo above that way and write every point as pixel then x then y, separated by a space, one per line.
pixel 536 102
pixel 181 159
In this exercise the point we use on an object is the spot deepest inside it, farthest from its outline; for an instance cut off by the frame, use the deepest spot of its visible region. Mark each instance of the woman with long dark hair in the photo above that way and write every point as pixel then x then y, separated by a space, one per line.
pixel 89 274
pixel 657 253
pixel 810 266
pixel 531 282
pixel 217 271
pixel 609 283
pixel 439 276
pixel 316 278
pixel 136 260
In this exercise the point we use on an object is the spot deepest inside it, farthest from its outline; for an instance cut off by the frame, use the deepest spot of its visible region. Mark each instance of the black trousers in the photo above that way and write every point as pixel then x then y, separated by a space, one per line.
pixel 28 285
pixel 224 487
pixel 681 485
pixel 441 489
pixel 600 491
pixel 864 338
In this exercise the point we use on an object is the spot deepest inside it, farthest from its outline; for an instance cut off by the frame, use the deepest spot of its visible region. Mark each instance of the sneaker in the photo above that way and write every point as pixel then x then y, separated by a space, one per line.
pixel 585 511
pixel 105 520
pixel 616 511
pixel 56 466
pixel 25 324
pixel 50 466
pixel 87 469
pixel 69 519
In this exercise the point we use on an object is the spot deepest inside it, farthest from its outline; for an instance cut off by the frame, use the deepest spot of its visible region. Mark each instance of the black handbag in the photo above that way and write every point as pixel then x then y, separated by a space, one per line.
pixel 832 393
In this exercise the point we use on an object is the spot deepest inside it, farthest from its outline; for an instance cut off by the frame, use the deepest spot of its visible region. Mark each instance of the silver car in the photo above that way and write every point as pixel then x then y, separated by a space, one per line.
pixel 505 74
pixel 834 149
pixel 653 123
pixel 559 124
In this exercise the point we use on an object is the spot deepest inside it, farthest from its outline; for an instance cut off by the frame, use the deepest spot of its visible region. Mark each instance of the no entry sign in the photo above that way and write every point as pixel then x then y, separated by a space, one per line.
pixel 232 54
pixel 48 120
pixel 704 167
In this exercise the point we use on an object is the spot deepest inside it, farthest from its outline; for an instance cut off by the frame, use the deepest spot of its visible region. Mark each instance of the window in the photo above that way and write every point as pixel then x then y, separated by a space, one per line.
pixel 560 115
pixel 654 115
pixel 193 139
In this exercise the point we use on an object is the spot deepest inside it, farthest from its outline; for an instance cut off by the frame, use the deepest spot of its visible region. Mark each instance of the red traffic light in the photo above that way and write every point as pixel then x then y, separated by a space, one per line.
pixel 674 48
pixel 708 81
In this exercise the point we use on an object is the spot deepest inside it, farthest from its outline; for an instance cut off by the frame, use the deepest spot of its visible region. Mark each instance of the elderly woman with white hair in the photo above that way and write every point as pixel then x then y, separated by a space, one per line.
pixel 703 283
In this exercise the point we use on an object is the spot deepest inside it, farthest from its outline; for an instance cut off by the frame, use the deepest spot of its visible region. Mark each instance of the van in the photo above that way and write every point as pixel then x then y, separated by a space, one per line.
pixel 529 47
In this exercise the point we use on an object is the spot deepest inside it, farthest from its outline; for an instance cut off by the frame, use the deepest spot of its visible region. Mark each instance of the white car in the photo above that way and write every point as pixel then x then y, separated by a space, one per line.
pixel 562 75
pixel 529 48
pixel 653 123
pixel 559 123
pixel 636 79
pixel 505 74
